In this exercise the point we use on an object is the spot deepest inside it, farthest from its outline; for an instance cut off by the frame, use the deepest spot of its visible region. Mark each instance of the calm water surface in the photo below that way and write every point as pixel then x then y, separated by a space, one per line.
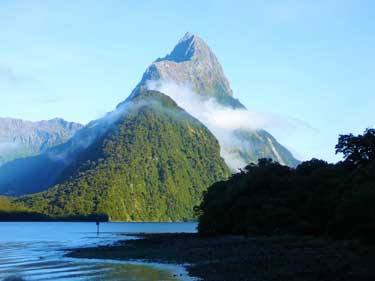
pixel 34 251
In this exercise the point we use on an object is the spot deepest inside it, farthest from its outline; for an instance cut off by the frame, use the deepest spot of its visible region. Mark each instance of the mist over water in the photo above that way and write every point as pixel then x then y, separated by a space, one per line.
pixel 34 251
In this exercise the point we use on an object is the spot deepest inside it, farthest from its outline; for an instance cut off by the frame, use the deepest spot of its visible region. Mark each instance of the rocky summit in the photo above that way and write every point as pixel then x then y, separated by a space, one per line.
pixel 192 63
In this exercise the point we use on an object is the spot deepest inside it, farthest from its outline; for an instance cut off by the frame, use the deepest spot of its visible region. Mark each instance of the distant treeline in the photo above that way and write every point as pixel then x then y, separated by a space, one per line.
pixel 24 216
pixel 316 198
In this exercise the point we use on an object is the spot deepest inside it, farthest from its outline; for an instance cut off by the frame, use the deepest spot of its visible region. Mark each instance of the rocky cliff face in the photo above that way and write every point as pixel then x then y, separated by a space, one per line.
pixel 19 138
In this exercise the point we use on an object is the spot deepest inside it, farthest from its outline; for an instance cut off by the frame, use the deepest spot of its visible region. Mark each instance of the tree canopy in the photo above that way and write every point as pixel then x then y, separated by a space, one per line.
pixel 359 149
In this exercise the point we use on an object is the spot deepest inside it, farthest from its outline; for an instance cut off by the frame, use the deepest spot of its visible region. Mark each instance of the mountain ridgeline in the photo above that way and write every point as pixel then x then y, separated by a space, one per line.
pixel 152 164
pixel 19 138
pixel 38 173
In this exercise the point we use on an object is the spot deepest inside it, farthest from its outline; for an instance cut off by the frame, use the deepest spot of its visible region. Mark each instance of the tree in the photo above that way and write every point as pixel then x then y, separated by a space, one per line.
pixel 308 167
pixel 359 149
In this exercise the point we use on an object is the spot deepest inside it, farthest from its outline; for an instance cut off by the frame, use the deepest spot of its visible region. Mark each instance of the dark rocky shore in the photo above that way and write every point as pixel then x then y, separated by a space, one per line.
pixel 233 258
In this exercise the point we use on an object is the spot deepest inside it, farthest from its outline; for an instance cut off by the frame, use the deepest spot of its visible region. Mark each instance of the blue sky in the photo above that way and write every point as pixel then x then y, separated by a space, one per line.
pixel 312 61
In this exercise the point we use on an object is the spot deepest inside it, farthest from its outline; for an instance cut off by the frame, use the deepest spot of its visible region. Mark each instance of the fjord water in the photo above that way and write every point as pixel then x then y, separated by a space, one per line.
pixel 35 251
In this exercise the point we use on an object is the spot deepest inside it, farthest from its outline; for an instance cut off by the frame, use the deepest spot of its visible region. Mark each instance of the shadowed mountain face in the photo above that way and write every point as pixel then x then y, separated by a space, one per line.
pixel 19 138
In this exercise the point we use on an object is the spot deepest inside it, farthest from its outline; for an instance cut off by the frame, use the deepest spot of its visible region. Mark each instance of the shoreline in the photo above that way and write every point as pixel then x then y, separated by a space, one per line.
pixel 232 258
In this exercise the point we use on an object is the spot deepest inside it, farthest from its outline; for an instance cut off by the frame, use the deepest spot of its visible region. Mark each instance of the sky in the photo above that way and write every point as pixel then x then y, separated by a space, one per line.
pixel 311 61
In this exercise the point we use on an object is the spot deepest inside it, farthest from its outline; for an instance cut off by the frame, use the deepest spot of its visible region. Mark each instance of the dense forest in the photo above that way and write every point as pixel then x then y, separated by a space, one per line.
pixel 315 198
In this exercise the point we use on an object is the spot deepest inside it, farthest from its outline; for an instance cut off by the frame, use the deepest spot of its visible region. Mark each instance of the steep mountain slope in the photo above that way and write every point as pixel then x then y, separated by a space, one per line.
pixel 19 138
pixel 191 63
pixel 153 163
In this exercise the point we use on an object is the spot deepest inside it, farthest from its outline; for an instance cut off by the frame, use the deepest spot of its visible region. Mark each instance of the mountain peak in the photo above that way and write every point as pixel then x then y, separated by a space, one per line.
pixel 186 37
pixel 189 47
pixel 192 63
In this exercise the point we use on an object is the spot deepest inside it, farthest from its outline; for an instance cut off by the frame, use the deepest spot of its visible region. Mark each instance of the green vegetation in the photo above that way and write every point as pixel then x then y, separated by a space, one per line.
pixel 7 204
pixel 13 210
pixel 152 164
pixel 316 198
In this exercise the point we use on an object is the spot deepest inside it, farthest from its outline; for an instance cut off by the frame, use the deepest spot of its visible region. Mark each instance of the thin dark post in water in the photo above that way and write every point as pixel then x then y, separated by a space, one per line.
pixel 97 226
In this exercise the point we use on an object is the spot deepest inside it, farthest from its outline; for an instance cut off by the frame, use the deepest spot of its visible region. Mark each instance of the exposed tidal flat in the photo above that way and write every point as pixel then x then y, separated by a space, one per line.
pixel 232 258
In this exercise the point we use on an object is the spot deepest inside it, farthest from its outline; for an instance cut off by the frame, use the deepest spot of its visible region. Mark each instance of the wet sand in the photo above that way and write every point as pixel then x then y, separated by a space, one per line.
pixel 233 258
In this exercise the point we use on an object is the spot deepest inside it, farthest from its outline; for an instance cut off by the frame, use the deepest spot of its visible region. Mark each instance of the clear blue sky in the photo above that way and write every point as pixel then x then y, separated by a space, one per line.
pixel 309 60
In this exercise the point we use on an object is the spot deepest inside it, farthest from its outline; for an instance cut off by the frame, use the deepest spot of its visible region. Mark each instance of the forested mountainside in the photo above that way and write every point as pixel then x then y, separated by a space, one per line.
pixel 152 164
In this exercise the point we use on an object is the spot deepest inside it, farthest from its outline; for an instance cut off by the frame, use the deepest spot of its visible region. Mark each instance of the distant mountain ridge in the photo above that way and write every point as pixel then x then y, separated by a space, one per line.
pixel 20 138
pixel 37 173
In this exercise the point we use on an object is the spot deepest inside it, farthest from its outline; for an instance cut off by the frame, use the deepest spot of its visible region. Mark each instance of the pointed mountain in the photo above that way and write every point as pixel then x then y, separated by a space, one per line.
pixel 152 164
pixel 192 63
